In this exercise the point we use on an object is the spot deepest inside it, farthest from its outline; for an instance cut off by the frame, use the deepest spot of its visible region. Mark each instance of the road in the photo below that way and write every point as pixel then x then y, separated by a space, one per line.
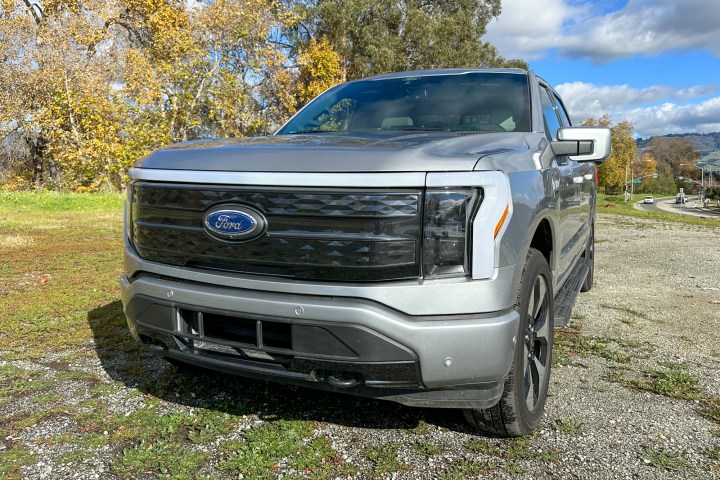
pixel 667 204
pixel 649 207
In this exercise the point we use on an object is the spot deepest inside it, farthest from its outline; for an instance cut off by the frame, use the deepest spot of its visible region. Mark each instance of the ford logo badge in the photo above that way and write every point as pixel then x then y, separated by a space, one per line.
pixel 234 222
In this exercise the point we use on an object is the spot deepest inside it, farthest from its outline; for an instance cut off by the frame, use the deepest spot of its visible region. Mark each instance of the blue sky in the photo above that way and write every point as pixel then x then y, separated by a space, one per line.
pixel 655 63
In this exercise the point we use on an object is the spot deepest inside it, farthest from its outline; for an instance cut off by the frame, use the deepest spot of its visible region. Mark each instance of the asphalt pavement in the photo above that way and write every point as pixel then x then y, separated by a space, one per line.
pixel 692 207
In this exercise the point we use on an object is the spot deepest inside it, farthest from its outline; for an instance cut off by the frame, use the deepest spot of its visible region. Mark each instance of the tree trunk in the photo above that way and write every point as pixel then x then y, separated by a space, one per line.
pixel 36 146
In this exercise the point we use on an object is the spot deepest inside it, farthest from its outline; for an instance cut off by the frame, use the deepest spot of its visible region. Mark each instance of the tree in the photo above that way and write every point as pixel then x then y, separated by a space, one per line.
pixel 713 193
pixel 57 80
pixel 659 186
pixel 375 37
pixel 88 87
pixel 618 168
pixel 92 86
pixel 676 157
pixel 319 70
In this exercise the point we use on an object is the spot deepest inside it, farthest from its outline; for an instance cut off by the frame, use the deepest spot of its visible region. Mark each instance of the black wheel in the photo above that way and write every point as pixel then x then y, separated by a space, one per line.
pixel 519 410
pixel 590 255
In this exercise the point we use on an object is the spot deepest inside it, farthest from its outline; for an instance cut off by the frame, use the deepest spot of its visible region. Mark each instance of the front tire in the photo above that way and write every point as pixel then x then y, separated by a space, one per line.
pixel 522 404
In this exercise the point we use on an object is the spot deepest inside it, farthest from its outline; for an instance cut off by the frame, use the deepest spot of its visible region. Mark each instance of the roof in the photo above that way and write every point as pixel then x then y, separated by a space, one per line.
pixel 445 71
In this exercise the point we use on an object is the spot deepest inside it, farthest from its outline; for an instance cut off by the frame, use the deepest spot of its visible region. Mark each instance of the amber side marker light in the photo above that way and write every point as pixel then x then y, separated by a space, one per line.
pixel 502 221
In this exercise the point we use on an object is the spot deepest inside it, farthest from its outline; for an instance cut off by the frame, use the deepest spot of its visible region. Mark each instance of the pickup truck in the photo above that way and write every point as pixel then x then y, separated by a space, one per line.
pixel 412 237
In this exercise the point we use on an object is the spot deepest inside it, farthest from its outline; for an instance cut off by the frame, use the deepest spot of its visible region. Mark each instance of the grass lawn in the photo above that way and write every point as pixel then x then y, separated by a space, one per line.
pixel 60 257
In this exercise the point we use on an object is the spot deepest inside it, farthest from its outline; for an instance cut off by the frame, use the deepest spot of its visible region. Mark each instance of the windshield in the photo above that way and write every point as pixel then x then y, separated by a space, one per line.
pixel 467 102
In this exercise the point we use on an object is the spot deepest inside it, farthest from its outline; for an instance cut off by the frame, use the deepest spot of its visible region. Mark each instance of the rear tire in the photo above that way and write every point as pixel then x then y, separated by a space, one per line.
pixel 522 403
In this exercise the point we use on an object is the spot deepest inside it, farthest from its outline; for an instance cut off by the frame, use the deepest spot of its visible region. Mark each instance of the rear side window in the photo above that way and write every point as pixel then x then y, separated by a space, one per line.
pixel 563 113
pixel 550 114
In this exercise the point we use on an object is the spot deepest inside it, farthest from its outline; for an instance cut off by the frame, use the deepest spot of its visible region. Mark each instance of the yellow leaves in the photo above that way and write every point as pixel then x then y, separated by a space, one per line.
pixel 619 167
pixel 53 7
pixel 16 183
pixel 164 26
pixel 106 81
pixel 8 8
pixel 645 166
pixel 319 69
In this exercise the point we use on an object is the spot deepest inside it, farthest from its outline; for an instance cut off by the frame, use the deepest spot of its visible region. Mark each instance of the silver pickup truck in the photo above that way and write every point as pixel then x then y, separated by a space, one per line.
pixel 412 237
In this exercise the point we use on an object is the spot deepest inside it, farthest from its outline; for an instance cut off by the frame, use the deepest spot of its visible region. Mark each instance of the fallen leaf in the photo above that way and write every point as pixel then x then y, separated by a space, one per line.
pixel 715 302
pixel 43 279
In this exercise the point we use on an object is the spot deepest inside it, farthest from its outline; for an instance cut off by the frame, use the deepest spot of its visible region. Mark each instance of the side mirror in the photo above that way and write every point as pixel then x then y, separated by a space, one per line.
pixel 583 144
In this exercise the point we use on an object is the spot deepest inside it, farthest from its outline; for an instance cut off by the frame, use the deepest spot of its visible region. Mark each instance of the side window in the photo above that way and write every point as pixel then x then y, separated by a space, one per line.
pixel 552 121
pixel 563 113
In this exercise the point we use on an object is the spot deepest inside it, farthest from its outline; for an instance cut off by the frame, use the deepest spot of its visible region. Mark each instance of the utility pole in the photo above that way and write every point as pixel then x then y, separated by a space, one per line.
pixel 625 193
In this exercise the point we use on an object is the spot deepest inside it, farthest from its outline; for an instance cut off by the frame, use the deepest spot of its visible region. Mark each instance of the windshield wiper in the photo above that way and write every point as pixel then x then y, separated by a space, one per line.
pixel 421 129
pixel 303 132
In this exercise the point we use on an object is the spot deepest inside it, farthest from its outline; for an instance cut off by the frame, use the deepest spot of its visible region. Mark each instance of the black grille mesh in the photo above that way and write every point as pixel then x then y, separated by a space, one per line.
pixel 321 235
pixel 283 203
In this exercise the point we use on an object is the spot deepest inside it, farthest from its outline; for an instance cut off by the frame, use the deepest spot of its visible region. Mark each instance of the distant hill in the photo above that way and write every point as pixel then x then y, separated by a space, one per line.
pixel 708 144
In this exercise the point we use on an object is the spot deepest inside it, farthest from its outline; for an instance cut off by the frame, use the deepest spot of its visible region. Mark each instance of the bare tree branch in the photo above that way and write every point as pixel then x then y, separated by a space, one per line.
pixel 37 14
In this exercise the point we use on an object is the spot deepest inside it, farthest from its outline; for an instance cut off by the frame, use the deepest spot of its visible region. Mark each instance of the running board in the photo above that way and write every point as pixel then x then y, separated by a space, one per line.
pixel 565 298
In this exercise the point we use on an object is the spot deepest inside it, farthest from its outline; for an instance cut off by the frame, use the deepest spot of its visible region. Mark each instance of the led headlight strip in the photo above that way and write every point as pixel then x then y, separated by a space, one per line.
pixel 492 217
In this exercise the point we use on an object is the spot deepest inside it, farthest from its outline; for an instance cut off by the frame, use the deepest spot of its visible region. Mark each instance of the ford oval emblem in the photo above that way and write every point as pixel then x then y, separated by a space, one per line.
pixel 234 222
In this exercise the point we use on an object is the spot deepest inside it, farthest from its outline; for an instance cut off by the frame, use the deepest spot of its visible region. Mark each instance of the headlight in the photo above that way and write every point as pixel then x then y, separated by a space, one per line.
pixel 447 226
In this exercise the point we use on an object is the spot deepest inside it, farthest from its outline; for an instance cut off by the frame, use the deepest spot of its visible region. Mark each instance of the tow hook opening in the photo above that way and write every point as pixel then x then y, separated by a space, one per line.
pixel 343 379
pixel 153 344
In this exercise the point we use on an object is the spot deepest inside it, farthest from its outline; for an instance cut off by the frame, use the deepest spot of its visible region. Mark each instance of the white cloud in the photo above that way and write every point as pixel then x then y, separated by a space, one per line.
pixel 527 28
pixel 671 118
pixel 586 29
pixel 652 111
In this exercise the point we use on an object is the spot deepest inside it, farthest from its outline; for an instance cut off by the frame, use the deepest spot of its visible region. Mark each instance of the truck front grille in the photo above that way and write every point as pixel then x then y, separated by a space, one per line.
pixel 332 234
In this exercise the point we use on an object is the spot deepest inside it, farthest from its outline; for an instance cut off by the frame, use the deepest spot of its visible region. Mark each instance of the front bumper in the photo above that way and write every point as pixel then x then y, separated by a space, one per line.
pixel 349 344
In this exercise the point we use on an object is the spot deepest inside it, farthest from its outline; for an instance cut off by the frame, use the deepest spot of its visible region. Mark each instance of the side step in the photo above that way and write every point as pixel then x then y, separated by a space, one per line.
pixel 565 298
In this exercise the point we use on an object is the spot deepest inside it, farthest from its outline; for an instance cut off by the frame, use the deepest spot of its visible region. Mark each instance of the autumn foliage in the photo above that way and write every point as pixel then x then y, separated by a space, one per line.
pixel 87 87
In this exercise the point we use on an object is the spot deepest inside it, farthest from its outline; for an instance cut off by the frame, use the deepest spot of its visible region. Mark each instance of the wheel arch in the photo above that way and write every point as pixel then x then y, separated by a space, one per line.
pixel 542 239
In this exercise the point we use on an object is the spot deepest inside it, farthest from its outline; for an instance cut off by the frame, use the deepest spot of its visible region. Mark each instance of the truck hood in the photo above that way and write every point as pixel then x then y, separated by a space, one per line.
pixel 337 152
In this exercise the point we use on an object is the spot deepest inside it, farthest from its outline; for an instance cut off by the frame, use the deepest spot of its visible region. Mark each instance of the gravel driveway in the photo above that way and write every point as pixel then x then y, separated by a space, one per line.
pixel 634 394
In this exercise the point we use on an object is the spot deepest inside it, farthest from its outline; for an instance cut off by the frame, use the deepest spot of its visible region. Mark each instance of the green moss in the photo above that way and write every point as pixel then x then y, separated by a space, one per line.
pixel 512 449
pixel 163 457
pixel 425 448
pixel 258 454
pixel 318 460
pixel 12 459
pixel 670 381
pixel 568 426
pixel 466 469
pixel 665 459
pixel 710 408
pixel 570 344
pixel 385 459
